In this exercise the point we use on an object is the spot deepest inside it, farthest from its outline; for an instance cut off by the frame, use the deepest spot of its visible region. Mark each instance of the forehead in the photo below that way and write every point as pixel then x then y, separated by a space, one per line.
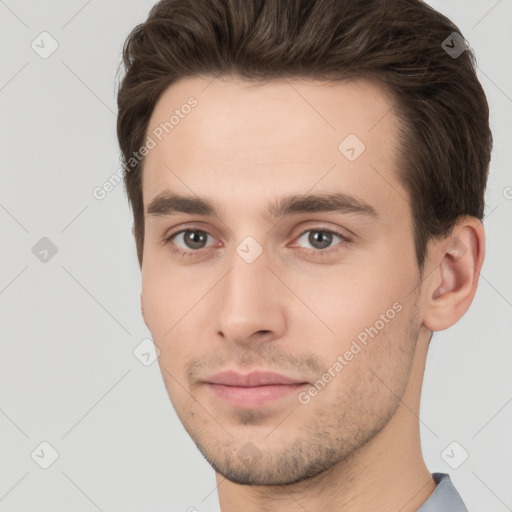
pixel 279 136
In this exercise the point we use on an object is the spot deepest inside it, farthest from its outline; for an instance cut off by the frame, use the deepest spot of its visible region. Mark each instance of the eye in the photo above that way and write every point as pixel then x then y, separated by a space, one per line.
pixel 189 242
pixel 321 239
pixel 192 239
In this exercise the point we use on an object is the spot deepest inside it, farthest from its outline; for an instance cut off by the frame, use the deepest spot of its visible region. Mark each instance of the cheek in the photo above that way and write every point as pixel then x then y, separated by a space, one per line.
pixel 162 313
pixel 378 283
pixel 365 316
pixel 349 300
pixel 166 297
pixel 370 372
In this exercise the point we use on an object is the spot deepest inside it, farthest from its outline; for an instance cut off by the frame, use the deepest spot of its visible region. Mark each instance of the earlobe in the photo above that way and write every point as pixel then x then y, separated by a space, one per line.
pixel 452 284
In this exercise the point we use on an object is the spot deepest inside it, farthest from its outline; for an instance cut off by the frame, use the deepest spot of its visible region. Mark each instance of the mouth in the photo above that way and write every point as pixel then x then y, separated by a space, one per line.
pixel 252 390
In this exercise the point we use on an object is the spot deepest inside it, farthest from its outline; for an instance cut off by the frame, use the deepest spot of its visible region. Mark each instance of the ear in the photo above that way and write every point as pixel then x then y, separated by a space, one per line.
pixel 452 282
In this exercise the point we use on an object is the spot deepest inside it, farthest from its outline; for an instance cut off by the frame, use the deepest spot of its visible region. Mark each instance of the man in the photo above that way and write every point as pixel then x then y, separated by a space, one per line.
pixel 307 181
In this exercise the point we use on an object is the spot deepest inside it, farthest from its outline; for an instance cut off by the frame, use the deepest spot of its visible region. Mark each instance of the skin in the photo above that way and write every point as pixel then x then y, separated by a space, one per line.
pixel 355 446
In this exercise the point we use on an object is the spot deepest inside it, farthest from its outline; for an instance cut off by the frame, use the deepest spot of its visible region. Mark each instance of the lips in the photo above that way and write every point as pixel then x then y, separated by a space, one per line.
pixel 258 378
pixel 252 390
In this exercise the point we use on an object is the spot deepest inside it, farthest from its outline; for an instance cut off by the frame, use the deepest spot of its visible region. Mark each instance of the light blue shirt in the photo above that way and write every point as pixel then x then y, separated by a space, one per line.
pixel 445 497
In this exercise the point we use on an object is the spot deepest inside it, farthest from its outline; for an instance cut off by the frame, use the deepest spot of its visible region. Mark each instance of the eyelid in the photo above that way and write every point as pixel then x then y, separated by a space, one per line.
pixel 168 237
pixel 318 227
pixel 186 227
pixel 314 227
pixel 324 227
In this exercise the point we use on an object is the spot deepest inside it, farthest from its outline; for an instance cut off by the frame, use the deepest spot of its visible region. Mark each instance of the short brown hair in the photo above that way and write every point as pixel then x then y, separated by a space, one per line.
pixel 445 136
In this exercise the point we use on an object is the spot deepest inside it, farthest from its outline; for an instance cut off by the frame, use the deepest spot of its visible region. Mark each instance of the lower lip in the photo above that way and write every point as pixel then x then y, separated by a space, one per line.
pixel 252 397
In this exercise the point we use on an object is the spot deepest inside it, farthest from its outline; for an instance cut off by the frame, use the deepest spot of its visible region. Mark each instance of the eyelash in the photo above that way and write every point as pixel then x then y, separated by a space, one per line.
pixel 318 252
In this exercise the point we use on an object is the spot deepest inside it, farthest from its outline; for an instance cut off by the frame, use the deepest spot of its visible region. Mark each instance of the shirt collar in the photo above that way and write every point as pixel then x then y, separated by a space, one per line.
pixel 445 497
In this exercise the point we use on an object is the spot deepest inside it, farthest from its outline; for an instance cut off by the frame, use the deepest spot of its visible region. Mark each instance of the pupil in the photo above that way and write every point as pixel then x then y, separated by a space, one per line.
pixel 313 239
pixel 195 239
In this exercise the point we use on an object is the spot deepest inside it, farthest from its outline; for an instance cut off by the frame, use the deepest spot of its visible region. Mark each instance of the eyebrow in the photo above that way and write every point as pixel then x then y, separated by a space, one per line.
pixel 167 203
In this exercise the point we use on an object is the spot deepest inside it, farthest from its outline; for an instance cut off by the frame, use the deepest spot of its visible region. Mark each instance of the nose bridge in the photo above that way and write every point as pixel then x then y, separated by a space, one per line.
pixel 249 302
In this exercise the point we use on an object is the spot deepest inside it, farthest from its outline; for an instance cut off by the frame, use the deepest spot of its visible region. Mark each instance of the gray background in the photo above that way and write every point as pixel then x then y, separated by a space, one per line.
pixel 69 325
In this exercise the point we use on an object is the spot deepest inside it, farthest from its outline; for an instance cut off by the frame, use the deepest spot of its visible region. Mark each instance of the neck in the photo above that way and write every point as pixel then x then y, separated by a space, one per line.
pixel 386 474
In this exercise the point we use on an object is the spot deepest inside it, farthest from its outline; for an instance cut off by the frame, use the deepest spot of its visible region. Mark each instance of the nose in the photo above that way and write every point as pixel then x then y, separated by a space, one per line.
pixel 252 303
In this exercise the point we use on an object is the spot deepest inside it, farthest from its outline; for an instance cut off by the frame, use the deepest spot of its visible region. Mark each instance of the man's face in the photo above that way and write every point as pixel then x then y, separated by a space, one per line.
pixel 325 298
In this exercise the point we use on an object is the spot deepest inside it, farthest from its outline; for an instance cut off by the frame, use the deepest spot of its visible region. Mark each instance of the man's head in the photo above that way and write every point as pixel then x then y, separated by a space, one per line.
pixel 313 209
pixel 444 131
